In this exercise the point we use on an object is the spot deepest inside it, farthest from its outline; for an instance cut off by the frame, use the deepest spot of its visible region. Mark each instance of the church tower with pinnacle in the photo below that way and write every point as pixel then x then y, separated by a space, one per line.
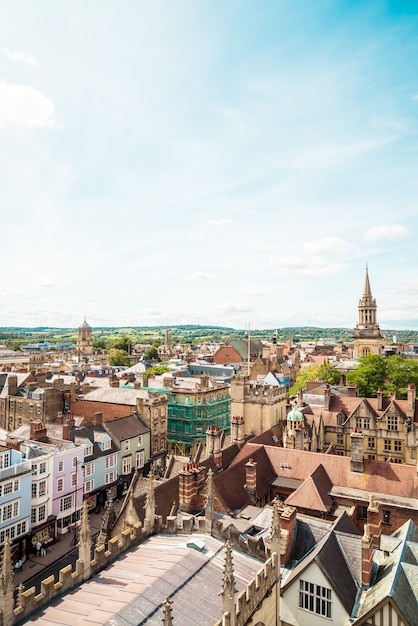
pixel 367 336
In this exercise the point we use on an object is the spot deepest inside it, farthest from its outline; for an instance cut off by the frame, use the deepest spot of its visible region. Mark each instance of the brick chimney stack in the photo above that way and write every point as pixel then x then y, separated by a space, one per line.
pixel 217 454
pixel 11 384
pixel 38 431
pixel 97 418
pixel 366 557
pixel 251 476
pixel 287 525
pixel 191 479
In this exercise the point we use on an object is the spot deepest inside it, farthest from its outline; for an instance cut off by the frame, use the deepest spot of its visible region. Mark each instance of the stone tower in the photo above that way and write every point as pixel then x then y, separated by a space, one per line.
pixel 367 336
pixel 84 346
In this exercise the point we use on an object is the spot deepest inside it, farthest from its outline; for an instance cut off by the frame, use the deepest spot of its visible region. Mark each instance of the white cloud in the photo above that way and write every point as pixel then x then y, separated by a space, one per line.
pixel 220 222
pixel 20 57
pixel 385 232
pixel 329 245
pixel 24 105
pixel 306 266
pixel 201 276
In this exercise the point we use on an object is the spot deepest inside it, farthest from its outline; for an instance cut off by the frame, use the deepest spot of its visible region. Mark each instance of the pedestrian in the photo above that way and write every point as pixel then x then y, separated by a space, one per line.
pixel 43 549
pixel 19 565
pixel 38 547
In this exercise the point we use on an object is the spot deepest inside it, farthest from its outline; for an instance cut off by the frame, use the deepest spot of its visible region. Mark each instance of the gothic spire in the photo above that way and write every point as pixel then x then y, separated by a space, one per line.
pixel 367 292
pixel 84 541
pixel 108 521
pixel 228 584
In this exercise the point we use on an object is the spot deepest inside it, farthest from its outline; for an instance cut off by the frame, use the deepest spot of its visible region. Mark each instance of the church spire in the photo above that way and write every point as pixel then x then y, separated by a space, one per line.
pixel 367 292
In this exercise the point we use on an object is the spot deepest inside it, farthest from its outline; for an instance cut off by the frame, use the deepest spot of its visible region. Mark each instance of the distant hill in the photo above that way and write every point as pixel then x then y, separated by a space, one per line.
pixel 193 333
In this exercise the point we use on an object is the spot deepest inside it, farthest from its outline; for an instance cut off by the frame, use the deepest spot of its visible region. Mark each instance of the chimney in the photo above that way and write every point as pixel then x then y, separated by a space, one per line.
pixel 144 380
pixel 357 451
pixel 38 431
pixel 327 397
pixel 204 381
pixel 237 430
pixel 251 477
pixel 287 526
pixel 217 454
pixel 209 441
pixel 352 391
pixel 410 411
pixel 374 522
pixel 66 431
pixel 168 382
pixel 300 397
pixel 97 418
pixel 114 381
pixel 12 384
pixel 379 396
pixel 191 478
pixel 366 557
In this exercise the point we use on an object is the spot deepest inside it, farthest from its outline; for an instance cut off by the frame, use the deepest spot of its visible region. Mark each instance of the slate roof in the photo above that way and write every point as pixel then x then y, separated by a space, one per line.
pixel 131 590
pixel 127 427
pixel 329 556
pixel 397 577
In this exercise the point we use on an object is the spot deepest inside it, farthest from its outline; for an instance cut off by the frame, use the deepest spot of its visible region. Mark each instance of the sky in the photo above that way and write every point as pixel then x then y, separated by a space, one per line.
pixel 225 162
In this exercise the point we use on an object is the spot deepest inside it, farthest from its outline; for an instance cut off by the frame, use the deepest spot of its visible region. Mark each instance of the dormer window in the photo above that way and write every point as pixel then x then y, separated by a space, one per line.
pixel 107 445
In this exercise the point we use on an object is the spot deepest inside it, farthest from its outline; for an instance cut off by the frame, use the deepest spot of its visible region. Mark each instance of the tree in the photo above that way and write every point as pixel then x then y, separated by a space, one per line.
pixel 304 375
pixel 329 374
pixel 370 375
pixel 400 372
pixel 16 346
pixel 157 370
pixel 119 357
pixel 100 344
pixel 124 343
pixel 152 354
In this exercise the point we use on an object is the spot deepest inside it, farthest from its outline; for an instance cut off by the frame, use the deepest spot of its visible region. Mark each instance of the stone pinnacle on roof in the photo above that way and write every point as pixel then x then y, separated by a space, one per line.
pixel 228 581
pixel 167 617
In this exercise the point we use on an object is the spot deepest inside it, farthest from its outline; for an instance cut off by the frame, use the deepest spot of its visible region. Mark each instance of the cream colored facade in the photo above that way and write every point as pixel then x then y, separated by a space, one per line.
pixel 257 405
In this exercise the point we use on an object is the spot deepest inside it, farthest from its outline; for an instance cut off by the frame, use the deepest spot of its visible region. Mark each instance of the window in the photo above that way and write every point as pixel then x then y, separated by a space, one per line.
pixel 88 451
pixel 387 444
pixel 8 488
pixel 42 513
pixel 372 457
pixel 16 485
pixel 89 469
pixel 362 512
pixel 139 440
pixel 74 479
pixel 397 445
pixel 126 445
pixel 110 460
pixel 60 484
pixel 34 490
pixel 42 488
pixel 140 459
pixel 110 477
pixel 60 466
pixel 162 444
pixel 393 422
pixel 340 439
pixel 66 503
pixel 38 409
pixel 33 516
pixel 7 512
pixel 42 468
pixel 11 404
pixel 315 598
pixel 106 445
pixel 385 517
pixel 371 443
pixel 155 447
pixel 126 465
pixel 75 461
pixel 31 408
pixel 88 486
pixel 4 460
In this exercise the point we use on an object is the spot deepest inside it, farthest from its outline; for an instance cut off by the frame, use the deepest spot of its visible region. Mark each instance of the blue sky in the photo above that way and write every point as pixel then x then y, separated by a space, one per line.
pixel 223 162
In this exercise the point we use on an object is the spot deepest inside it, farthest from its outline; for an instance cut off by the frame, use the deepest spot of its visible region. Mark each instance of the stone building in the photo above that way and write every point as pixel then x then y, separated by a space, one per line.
pixel 37 400
pixel 367 336
pixel 84 345
pixel 256 406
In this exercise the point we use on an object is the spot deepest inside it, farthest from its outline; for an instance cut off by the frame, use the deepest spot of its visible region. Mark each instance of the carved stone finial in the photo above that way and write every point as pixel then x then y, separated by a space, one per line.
pixel 167 617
